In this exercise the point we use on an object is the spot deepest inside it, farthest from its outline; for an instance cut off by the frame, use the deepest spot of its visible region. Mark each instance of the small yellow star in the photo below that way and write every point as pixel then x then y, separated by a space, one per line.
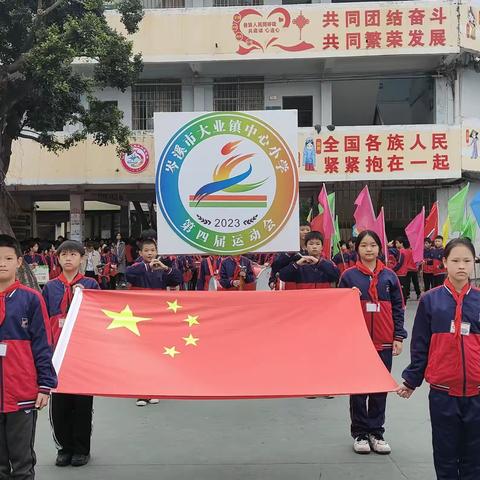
pixel 191 340
pixel 192 320
pixel 174 306
pixel 170 351
pixel 125 319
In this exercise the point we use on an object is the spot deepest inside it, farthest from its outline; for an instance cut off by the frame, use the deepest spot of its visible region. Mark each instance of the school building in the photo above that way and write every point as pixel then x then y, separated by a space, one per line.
pixel 387 94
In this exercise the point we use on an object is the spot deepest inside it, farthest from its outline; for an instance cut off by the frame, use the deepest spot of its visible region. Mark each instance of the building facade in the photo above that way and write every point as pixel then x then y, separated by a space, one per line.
pixel 386 93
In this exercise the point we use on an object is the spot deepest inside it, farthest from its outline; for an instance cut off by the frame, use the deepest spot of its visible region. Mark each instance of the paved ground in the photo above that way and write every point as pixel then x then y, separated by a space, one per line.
pixel 244 440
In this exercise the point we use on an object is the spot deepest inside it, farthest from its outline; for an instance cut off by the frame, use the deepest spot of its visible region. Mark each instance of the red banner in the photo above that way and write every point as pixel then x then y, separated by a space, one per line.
pixel 157 344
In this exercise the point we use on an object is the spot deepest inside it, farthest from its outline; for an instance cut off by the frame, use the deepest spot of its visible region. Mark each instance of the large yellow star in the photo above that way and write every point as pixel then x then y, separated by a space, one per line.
pixel 174 306
pixel 125 318
pixel 170 351
pixel 191 340
pixel 192 320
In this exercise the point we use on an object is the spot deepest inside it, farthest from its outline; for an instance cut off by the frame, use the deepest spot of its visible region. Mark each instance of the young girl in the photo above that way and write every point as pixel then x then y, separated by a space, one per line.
pixel 445 350
pixel 383 309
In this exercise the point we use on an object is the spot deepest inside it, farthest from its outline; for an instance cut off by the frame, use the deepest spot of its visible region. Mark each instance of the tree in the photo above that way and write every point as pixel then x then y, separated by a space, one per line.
pixel 42 91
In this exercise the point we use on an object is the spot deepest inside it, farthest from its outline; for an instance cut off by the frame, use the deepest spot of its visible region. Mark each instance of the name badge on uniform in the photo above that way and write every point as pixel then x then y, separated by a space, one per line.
pixel 373 307
pixel 3 349
pixel 61 322
pixel 464 328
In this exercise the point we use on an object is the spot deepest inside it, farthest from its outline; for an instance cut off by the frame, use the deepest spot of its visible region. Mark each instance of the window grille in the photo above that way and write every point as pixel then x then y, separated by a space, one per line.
pixel 236 3
pixel 237 94
pixel 163 3
pixel 150 98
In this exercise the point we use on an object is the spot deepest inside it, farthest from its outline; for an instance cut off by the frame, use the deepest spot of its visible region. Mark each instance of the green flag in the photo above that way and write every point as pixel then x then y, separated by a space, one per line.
pixel 469 229
pixel 331 202
pixel 456 209
pixel 336 237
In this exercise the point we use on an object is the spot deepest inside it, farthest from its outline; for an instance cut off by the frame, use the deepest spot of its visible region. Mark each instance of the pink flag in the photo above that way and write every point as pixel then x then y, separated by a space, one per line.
pixel 364 214
pixel 379 229
pixel 415 235
pixel 328 225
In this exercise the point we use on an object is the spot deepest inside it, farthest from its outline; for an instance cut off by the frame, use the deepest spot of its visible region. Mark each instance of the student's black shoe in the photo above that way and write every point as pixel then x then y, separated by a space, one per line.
pixel 63 459
pixel 80 460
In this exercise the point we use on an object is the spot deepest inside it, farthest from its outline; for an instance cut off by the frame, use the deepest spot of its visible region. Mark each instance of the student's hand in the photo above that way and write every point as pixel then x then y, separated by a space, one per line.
pixel 156 264
pixel 42 401
pixel 403 391
pixel 357 290
pixel 236 283
pixel 307 260
pixel 77 285
pixel 272 285
pixel 243 274
pixel 397 348
pixel 34 265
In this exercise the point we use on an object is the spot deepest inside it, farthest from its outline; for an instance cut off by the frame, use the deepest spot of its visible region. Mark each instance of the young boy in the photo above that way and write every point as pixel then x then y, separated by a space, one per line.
pixel 304 230
pixel 236 273
pixel 427 266
pixel 311 271
pixel 70 415
pixel 342 258
pixel 26 370
pixel 151 273
pixel 439 271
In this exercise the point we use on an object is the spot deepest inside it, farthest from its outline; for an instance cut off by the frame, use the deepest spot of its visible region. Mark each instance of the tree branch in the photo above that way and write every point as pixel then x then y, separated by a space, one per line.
pixel 44 13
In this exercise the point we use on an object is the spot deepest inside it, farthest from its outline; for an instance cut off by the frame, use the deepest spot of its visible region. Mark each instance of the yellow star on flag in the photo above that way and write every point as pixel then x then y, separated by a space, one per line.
pixel 170 351
pixel 191 340
pixel 174 306
pixel 192 320
pixel 124 319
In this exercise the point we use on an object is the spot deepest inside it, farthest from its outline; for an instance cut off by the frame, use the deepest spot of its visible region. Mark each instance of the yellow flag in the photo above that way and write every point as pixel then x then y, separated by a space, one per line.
pixel 446 231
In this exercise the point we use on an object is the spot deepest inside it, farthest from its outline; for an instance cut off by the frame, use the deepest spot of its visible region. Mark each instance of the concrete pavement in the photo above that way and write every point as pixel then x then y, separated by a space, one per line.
pixel 292 439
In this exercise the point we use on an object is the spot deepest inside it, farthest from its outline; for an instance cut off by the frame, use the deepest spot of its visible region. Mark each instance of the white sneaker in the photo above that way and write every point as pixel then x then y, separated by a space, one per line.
pixel 379 445
pixel 153 401
pixel 361 445
pixel 141 403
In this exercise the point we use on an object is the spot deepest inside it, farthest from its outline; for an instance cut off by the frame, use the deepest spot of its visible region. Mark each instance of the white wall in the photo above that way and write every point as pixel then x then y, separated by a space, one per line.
pixel 469 93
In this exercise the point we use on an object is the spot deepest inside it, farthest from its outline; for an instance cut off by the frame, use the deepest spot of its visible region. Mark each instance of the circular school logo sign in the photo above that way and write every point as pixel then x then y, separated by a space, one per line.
pixel 227 182
pixel 137 161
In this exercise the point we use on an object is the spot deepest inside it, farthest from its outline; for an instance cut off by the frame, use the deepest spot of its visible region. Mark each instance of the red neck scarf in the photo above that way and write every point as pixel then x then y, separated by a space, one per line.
pixel 4 295
pixel 458 297
pixel 372 289
pixel 68 291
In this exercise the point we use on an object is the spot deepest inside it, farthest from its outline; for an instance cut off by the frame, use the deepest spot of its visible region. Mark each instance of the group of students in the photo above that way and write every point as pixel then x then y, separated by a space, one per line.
pixel 445 345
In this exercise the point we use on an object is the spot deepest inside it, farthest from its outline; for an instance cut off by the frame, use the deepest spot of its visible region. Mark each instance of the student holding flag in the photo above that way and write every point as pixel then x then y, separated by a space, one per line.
pixel 383 309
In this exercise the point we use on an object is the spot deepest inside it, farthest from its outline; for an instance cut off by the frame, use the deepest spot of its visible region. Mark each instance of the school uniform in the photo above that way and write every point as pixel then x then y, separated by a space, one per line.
pixel 54 269
pixel 427 269
pixel 342 261
pixel 141 275
pixel 439 270
pixel 209 268
pixel 25 371
pixel 383 310
pixel 445 350
pixel 412 272
pixel 352 258
pixel 319 275
pixel 280 261
pixel 392 258
pixel 34 258
pixel 230 269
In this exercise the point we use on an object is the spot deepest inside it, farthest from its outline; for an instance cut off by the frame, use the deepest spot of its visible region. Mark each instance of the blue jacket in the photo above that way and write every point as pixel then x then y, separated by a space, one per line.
pixel 27 368
pixel 447 362
pixel 386 325
pixel 140 275
pixel 320 275
pixel 229 272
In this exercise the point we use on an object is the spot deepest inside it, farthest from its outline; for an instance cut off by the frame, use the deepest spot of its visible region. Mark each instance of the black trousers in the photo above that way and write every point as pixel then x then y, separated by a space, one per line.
pixel 71 419
pixel 367 412
pixel 455 435
pixel 17 438
pixel 438 280
pixel 428 281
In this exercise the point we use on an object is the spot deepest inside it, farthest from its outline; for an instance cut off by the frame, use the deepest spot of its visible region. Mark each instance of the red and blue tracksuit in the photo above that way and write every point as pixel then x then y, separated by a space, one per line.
pixel 230 269
pixel 280 261
pixel 209 267
pixel 318 275
pixel 34 258
pixel 393 258
pixel 384 313
pixel 439 271
pixel 26 370
pixel 342 261
pixel 141 275
pixel 445 350
pixel 70 415
pixel 427 268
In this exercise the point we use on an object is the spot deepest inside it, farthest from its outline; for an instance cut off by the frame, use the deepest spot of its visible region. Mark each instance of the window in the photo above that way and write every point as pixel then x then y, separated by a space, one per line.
pixel 154 97
pixel 236 94
pixel 236 3
pixel 295 2
pixel 304 106
pixel 163 3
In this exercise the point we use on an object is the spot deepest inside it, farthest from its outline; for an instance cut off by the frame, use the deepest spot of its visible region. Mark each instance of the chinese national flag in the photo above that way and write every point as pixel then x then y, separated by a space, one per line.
pixel 170 344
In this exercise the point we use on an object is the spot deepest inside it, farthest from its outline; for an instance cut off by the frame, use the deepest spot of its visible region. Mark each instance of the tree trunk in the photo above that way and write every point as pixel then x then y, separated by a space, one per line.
pixel 25 274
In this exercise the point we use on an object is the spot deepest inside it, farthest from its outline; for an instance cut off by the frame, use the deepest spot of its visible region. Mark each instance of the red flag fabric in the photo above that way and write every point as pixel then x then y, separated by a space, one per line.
pixel 431 223
pixel 364 214
pixel 170 344
pixel 415 235
pixel 379 229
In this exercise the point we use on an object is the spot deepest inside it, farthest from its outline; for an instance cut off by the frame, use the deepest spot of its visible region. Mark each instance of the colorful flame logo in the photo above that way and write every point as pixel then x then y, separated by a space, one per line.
pixel 221 175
